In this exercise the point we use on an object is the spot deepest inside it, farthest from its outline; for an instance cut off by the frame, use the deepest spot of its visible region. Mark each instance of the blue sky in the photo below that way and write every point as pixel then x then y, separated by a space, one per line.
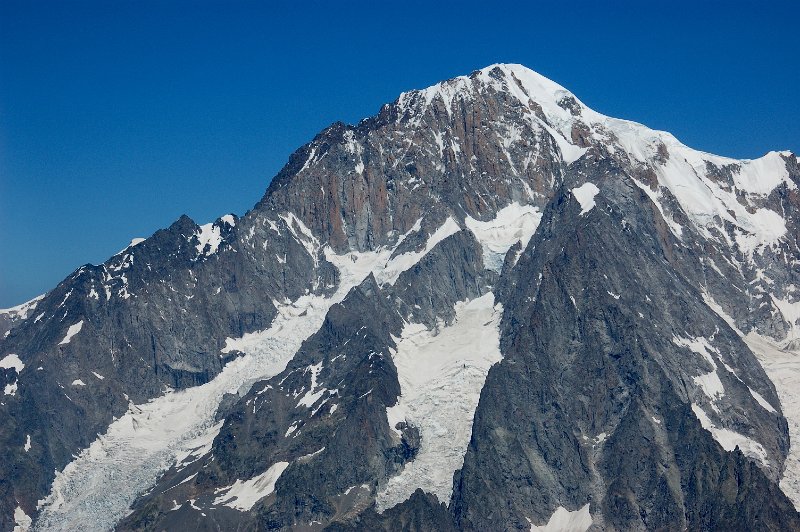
pixel 116 117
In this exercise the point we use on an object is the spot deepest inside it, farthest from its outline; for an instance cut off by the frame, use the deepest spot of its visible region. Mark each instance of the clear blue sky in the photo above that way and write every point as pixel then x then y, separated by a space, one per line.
pixel 118 116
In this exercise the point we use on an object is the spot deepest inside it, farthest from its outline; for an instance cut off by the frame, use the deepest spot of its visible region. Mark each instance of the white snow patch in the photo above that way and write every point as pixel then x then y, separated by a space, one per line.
pixel 184 481
pixel 441 377
pixel 78 382
pixel 291 429
pixel 311 397
pixel 273 226
pixel 763 402
pixel 414 228
pixel 711 385
pixel 72 331
pixel 98 375
pixel 394 415
pixel 66 296
pixel 229 219
pixel 351 488
pixel 708 382
pixel 719 311
pixel 563 520
pixel 513 223
pixel 307 457
pixel 729 439
pixel 244 494
pixel 585 195
pixel 22 522
pixel 27 446
pixel 208 235
pixel 12 361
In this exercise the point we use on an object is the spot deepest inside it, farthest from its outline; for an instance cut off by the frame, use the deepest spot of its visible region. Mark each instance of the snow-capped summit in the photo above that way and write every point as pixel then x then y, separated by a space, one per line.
pixel 499 308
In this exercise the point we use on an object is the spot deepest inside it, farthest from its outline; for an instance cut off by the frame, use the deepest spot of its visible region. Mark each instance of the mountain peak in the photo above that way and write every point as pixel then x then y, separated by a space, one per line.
pixel 558 108
pixel 516 80
pixel 441 143
pixel 483 246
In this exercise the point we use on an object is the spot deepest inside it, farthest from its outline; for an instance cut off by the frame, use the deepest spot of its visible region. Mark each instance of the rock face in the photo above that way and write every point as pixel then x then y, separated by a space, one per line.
pixel 600 372
pixel 486 308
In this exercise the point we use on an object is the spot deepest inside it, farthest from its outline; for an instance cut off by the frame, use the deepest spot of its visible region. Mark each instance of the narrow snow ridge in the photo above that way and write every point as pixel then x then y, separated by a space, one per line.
pixel 134 242
pixel 23 310
pixel 72 331
pixel 441 377
pixel 393 267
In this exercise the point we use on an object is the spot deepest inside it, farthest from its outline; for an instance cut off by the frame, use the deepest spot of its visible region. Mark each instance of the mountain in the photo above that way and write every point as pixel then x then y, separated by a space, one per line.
pixel 488 307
